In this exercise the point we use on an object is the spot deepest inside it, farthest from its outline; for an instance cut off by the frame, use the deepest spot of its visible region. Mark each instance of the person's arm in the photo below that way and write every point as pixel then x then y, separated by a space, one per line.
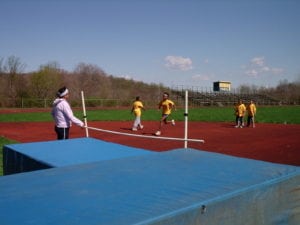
pixel 174 106
pixel 69 113
pixel 159 105
pixel 142 106
pixel 132 108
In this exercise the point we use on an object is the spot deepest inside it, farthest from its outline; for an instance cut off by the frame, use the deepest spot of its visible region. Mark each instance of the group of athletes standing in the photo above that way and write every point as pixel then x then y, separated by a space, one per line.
pixel 240 110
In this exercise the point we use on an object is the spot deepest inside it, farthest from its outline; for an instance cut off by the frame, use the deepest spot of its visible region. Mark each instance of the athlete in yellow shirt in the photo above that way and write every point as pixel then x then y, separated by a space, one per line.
pixel 166 105
pixel 251 109
pixel 240 112
pixel 137 108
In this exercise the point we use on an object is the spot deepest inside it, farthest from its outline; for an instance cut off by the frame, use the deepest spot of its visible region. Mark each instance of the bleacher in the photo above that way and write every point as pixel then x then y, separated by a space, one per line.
pixel 216 98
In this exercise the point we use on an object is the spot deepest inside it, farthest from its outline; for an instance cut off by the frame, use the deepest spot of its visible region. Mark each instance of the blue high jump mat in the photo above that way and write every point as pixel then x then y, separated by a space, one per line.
pixel 180 187
pixel 26 157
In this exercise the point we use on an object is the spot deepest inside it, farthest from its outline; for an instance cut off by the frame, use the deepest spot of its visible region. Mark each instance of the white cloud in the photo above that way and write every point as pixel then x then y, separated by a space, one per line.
pixel 178 63
pixel 251 73
pixel 127 77
pixel 265 69
pixel 277 70
pixel 259 61
pixel 258 67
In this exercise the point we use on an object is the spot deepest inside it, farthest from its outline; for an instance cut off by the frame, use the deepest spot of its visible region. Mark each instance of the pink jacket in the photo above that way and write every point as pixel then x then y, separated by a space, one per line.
pixel 63 114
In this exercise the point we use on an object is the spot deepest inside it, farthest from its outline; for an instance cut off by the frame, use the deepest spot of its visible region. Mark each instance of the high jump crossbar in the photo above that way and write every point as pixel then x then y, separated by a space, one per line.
pixel 146 136
pixel 185 139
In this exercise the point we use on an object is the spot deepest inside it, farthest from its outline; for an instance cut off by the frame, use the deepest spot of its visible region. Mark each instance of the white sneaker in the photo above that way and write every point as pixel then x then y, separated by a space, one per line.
pixel 173 122
pixel 134 129
pixel 157 133
pixel 141 127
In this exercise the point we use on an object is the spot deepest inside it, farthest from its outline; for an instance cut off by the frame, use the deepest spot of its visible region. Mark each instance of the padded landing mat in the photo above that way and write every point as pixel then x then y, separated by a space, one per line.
pixel 176 187
pixel 42 155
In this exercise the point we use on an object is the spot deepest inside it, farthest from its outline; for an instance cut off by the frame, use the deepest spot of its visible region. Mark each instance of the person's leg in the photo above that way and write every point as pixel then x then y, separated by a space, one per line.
pixel 240 121
pixel 140 123
pixel 162 120
pixel 62 133
pixel 248 121
pixel 160 124
pixel 66 132
pixel 237 121
pixel 136 123
pixel 59 133
pixel 253 121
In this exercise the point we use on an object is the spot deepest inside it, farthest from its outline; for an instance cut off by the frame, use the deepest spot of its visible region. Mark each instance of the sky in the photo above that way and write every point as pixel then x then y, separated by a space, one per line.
pixel 185 43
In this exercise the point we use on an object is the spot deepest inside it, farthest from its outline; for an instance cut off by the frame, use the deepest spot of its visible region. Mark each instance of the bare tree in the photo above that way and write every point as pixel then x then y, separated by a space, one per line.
pixel 11 72
pixel 92 80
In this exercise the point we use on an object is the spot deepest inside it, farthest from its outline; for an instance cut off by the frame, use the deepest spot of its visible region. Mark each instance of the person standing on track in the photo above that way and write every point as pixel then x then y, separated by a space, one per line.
pixel 63 114
pixel 251 109
pixel 137 108
pixel 166 105
pixel 241 109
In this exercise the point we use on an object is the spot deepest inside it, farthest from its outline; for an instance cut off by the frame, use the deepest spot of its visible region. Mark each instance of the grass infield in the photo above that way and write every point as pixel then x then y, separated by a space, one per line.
pixel 275 114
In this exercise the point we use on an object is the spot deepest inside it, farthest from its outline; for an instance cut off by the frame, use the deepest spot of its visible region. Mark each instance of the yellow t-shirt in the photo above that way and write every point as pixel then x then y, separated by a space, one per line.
pixel 241 110
pixel 137 108
pixel 251 109
pixel 166 106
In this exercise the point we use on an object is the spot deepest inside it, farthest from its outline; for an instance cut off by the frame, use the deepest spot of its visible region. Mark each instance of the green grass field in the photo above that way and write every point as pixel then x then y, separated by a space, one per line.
pixel 278 114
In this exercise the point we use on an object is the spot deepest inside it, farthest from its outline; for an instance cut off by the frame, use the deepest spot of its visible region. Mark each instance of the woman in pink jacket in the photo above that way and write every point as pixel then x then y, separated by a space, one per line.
pixel 63 114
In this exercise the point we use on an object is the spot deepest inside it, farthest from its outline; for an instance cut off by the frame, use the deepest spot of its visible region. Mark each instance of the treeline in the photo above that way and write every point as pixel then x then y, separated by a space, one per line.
pixel 96 84
pixel 44 83
pixel 285 92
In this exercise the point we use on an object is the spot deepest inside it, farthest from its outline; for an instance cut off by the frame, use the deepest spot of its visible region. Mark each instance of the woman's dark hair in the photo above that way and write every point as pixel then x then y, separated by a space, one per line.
pixel 60 91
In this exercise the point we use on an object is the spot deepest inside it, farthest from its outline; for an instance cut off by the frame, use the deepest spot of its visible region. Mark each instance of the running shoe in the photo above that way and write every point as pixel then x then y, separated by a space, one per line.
pixel 173 122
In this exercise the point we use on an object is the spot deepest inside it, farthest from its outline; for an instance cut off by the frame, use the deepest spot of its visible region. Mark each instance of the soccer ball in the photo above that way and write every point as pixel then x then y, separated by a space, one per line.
pixel 157 133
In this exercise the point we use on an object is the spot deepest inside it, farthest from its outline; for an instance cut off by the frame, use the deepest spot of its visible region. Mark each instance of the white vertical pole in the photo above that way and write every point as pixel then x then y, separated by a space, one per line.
pixel 84 115
pixel 186 120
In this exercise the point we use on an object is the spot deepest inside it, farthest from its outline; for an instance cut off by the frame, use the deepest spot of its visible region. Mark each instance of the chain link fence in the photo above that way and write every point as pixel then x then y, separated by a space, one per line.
pixel 196 99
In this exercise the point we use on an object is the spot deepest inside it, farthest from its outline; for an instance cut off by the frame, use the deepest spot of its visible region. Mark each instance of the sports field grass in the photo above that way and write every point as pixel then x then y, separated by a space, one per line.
pixel 275 114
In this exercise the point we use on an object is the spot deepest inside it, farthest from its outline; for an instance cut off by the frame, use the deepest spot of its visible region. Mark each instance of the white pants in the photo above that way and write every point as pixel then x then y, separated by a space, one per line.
pixel 137 121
